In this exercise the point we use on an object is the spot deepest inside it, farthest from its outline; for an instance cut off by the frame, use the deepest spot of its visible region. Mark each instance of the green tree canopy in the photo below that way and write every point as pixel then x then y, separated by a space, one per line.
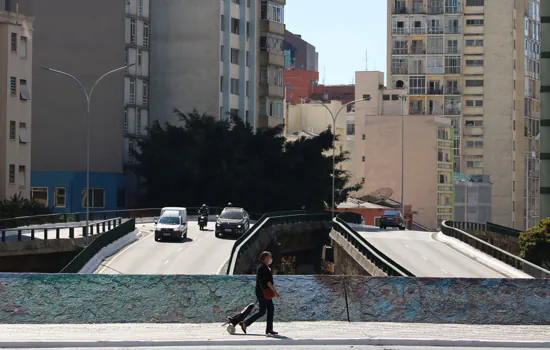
pixel 535 244
pixel 215 162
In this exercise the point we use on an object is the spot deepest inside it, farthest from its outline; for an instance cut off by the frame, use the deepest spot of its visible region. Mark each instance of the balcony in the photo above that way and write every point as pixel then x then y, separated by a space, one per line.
pixel 452 91
pixel 435 30
pixel 400 10
pixel 452 111
pixel 417 111
pixel 435 91
pixel 272 91
pixel 418 30
pixel 418 50
pixel 418 9
pixel 273 59
pixel 435 10
pixel 399 51
pixel 400 70
pixel 453 30
pixel 400 31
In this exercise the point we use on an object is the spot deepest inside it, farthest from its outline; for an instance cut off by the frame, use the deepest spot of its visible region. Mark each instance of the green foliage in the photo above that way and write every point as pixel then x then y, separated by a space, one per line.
pixel 214 162
pixel 535 244
pixel 18 206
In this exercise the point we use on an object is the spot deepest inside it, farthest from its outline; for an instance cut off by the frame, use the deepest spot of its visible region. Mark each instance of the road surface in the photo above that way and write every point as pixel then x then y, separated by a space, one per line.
pixel 200 254
pixel 424 256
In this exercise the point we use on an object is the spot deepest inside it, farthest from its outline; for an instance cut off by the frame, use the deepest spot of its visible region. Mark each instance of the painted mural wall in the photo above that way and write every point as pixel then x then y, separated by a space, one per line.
pixel 71 299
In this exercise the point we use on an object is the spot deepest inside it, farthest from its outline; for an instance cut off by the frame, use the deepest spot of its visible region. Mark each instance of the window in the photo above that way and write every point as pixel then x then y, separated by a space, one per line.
pixel 23 48
pixel 22 176
pixel 272 43
pixel 221 83
pixel 13 86
pixel 235 25
pixel 363 158
pixel 474 123
pixel 248 58
pixel 97 198
pixel 236 1
pixel 145 94
pixel 138 122
pixel 475 2
pixel 121 198
pixel 13 42
pixel 234 112
pixel 474 103
pixel 40 195
pixel 140 8
pixel 23 90
pixel 272 75
pixel 132 91
pixel 234 86
pixel 272 11
pixel 222 22
pixel 146 34
pixel 247 89
pixel 350 129
pixel 474 83
pixel 125 121
pixel 12 173
pixel 221 53
pixel 133 31
pixel 452 46
pixel 139 58
pixel 417 85
pixel 474 144
pixel 247 30
pixel 453 65
pixel 235 56
pixel 23 133
pixel 395 97
pixel 385 97
pixel 477 42
pixel 475 22
pixel 474 63
pixel 59 197
pixel 364 137
pixel 12 130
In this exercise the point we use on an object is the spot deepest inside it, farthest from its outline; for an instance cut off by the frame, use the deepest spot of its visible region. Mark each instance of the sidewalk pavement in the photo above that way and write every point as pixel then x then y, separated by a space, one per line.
pixel 291 334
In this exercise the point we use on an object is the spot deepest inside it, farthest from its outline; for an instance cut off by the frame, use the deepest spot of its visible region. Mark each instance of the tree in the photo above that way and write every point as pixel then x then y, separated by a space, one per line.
pixel 17 206
pixel 211 161
pixel 535 244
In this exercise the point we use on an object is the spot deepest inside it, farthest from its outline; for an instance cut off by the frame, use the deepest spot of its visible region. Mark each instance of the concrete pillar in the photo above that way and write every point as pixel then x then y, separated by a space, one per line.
pixel 545 111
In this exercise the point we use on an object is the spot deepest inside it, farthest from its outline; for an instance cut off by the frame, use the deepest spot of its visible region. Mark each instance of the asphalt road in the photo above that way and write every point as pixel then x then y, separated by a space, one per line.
pixel 200 254
pixel 424 256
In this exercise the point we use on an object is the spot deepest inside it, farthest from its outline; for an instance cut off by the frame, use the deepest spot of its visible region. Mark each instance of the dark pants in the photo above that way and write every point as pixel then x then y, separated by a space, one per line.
pixel 265 305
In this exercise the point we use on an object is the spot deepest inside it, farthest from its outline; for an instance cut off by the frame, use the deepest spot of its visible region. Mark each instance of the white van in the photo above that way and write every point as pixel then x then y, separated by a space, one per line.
pixel 172 224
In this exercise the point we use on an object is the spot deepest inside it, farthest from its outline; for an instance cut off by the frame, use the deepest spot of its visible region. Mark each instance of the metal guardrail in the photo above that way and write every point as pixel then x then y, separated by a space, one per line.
pixel 269 220
pixel 489 227
pixel 48 233
pixel 97 244
pixel 497 253
pixel 379 259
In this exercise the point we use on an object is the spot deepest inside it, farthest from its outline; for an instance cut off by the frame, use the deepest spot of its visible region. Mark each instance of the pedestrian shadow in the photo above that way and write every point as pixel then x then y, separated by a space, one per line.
pixel 282 337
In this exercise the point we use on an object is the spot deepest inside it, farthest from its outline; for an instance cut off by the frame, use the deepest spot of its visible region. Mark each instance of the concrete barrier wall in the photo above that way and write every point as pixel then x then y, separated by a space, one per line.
pixel 35 299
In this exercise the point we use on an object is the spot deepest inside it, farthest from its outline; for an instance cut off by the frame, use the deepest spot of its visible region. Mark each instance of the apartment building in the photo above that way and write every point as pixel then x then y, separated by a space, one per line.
pixel 299 54
pixel 87 39
pixel 477 63
pixel 16 38
pixel 234 65
pixel 428 151
pixel 545 112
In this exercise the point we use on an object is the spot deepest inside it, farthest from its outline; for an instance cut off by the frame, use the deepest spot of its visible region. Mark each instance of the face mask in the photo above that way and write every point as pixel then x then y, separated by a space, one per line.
pixel 270 261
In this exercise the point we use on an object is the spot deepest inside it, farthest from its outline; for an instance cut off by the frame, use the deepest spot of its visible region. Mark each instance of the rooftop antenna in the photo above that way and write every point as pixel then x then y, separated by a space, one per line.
pixel 367 59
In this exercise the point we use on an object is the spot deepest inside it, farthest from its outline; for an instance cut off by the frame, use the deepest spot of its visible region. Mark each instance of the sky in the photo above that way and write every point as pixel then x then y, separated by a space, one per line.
pixel 342 31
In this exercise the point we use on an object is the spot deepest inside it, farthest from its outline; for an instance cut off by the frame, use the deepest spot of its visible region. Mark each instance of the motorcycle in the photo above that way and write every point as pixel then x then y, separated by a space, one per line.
pixel 203 220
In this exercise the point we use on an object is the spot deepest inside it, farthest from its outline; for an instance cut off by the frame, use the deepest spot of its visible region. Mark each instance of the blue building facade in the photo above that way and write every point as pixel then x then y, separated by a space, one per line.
pixel 64 192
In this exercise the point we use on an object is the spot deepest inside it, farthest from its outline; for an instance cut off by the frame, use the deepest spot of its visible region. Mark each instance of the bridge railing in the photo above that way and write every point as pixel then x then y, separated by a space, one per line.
pixel 97 244
pixel 58 232
pixel 379 259
pixel 529 268
pixel 266 221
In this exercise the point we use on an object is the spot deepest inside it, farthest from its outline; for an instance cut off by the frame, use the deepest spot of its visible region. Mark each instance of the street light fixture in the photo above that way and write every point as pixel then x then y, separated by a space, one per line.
pixel 334 118
pixel 88 96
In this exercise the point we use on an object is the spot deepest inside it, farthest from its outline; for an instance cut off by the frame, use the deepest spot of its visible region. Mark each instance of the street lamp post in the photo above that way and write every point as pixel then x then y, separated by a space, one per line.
pixel 334 118
pixel 403 98
pixel 88 96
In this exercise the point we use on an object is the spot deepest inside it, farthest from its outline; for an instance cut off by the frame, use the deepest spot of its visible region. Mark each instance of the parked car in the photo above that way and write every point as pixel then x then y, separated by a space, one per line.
pixel 172 224
pixel 232 221
pixel 392 218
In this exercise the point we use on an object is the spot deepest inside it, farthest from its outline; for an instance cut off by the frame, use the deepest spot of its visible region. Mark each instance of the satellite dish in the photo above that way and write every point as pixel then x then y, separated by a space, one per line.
pixel 384 192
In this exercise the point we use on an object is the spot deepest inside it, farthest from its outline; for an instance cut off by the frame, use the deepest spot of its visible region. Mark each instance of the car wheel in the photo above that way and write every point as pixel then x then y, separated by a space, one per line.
pixel 217 235
pixel 402 228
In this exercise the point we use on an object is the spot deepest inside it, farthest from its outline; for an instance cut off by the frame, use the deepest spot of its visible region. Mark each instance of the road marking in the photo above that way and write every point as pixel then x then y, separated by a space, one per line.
pixel 110 261
pixel 407 246
pixel 445 272
pixel 166 262
pixel 425 258
pixel 179 250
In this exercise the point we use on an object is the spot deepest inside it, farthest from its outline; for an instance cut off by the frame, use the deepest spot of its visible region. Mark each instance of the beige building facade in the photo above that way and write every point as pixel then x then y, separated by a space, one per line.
pixel 16 39
pixel 313 118
pixel 428 153
pixel 477 63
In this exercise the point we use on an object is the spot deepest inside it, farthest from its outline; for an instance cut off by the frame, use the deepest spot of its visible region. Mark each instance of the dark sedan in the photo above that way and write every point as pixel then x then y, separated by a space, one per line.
pixel 232 222
pixel 392 218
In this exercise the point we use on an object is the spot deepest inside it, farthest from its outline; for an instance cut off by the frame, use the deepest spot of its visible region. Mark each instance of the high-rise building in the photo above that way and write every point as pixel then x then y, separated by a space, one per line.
pixel 16 33
pixel 86 39
pixel 545 112
pixel 477 62
pixel 299 54
pixel 231 65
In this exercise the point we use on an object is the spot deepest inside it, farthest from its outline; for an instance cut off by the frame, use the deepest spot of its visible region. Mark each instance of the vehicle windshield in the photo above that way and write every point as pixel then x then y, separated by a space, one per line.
pixel 169 220
pixel 391 213
pixel 233 215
